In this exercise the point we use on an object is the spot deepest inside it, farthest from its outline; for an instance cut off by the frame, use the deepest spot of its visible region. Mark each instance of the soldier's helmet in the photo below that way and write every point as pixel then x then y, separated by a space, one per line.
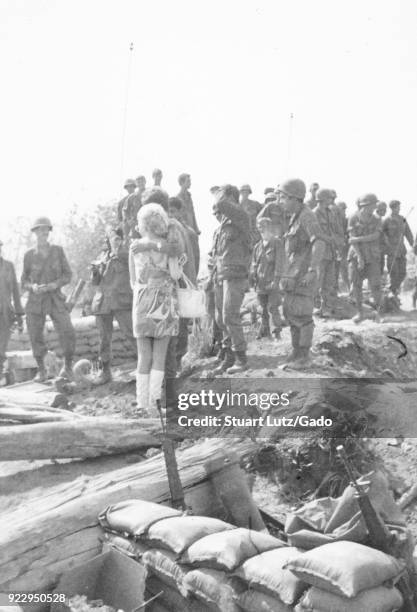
pixel 294 188
pixel 394 204
pixel 367 199
pixel 324 194
pixel 129 183
pixel 41 222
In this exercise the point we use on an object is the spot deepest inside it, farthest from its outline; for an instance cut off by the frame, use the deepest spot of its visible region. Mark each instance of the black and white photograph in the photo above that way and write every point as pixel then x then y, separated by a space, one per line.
pixel 208 306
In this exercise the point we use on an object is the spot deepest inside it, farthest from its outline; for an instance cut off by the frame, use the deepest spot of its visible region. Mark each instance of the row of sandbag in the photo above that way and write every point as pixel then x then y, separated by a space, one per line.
pixel 87 340
pixel 202 561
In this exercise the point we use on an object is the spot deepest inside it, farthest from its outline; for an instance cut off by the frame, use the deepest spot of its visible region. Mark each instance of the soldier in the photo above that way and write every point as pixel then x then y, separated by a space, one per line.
pixel 187 212
pixel 252 208
pixel 273 211
pixel 341 264
pixel 396 228
pixel 364 255
pixel 231 252
pixel 381 211
pixel 304 247
pixel 113 298
pixel 265 274
pixel 312 202
pixel 332 235
pixel 130 187
pixel 157 177
pixel 10 308
pixel 45 272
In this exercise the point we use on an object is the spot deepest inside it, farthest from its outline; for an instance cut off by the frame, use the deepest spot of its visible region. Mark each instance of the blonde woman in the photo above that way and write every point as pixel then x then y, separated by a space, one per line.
pixel 155 308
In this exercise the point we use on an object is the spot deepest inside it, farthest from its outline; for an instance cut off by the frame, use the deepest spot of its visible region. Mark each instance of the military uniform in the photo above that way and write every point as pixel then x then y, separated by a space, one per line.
pixel 113 300
pixel 10 305
pixel 232 259
pixel 298 302
pixel 274 211
pixel 187 210
pixel 327 281
pixel 371 255
pixel 395 229
pixel 127 210
pixel 266 270
pixel 42 270
pixel 252 209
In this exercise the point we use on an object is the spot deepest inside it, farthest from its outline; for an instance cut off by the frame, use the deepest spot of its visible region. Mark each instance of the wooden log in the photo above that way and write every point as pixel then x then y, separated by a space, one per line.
pixel 31 414
pixel 40 541
pixel 76 438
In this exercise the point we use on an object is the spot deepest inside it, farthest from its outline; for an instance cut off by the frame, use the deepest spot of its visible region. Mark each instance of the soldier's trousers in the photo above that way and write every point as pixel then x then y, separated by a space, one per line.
pixel 327 282
pixel 62 323
pixel 372 272
pixel 270 303
pixel 298 311
pixel 105 330
pixel 397 268
pixel 229 295
pixel 211 314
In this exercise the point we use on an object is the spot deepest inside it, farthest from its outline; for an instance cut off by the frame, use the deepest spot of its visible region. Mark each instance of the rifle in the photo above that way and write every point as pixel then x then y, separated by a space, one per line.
pixel 71 300
pixel 379 535
pixel 174 480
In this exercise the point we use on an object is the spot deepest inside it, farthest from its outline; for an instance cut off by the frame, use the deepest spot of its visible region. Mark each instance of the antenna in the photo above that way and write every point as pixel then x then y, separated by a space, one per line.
pixel 124 124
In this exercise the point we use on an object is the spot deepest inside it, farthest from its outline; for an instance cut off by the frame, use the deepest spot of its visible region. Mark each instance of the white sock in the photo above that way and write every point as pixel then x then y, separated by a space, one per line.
pixel 155 388
pixel 142 390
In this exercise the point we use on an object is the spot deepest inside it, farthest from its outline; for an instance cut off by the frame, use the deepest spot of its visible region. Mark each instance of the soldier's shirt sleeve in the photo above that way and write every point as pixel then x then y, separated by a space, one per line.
pixel 16 294
pixel 311 226
pixel 235 213
pixel 66 273
pixel 25 280
pixel 353 226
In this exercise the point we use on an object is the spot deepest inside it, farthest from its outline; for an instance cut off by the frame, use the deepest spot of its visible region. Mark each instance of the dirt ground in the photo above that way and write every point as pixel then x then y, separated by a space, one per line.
pixel 341 349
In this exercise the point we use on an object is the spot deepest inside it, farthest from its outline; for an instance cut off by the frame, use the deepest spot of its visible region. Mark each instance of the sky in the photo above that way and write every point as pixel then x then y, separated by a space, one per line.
pixel 209 89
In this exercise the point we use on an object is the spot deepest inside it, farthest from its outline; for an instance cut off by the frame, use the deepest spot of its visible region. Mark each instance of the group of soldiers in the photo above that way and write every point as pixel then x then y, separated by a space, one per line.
pixel 295 251
pixel 298 251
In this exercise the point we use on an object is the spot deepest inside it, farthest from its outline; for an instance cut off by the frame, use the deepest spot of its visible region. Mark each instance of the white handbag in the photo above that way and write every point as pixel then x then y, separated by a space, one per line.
pixel 191 301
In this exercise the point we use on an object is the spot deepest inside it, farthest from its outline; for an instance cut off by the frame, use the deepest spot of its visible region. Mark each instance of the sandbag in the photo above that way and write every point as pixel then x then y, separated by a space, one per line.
pixel 345 568
pixel 170 597
pixel 379 599
pixel 127 546
pixel 162 563
pixel 227 550
pixel 213 588
pixel 261 602
pixel 134 516
pixel 266 572
pixel 178 533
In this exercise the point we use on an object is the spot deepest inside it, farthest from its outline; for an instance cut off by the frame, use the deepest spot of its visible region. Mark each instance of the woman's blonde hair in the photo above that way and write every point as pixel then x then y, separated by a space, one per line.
pixel 152 218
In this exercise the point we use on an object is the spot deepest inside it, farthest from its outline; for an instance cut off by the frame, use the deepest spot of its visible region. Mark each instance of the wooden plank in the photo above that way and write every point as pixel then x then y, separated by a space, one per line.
pixel 75 438
pixel 40 535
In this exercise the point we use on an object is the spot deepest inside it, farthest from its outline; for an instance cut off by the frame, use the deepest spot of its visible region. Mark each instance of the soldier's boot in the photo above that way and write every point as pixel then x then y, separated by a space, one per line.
pixel 276 333
pixel 240 364
pixel 105 374
pixel 41 375
pixel 3 379
pixel 66 370
pixel 228 361
pixel 358 316
pixel 220 355
pixel 295 340
pixel 303 359
pixel 263 332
